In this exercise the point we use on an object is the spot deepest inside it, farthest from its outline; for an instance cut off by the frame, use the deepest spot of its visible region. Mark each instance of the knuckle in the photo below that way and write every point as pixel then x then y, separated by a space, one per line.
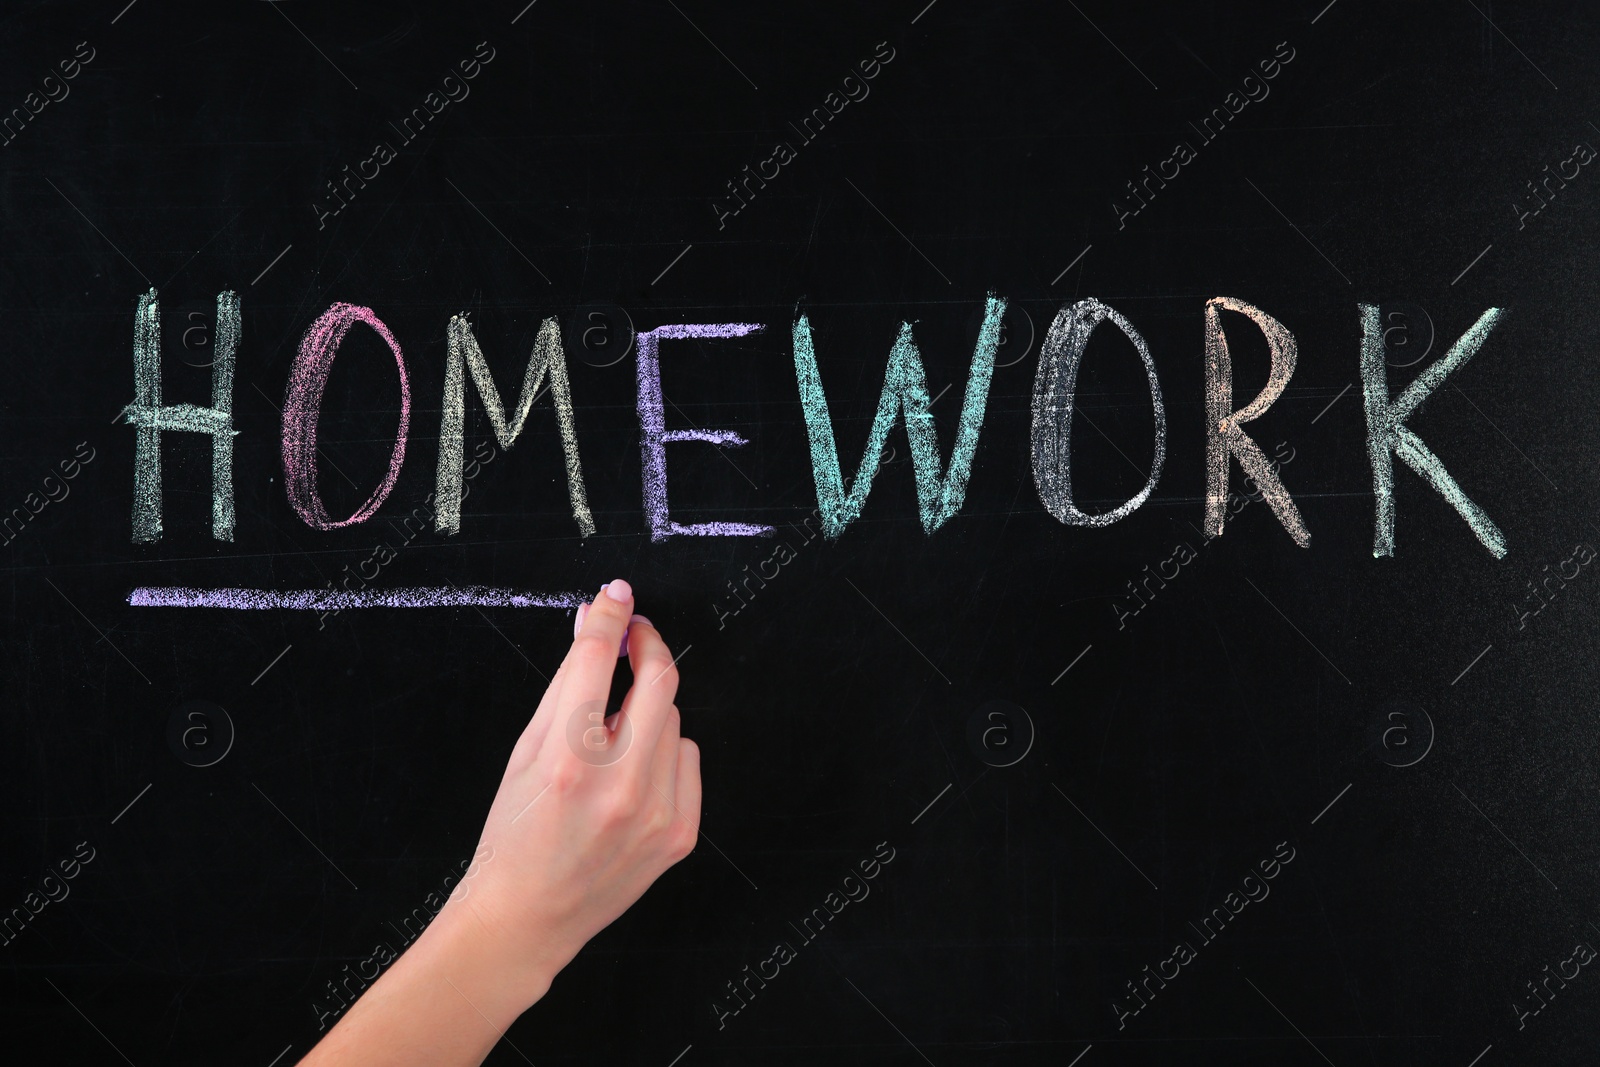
pixel 615 810
pixel 603 607
pixel 658 821
pixel 565 776
pixel 590 645
pixel 683 839
pixel 660 669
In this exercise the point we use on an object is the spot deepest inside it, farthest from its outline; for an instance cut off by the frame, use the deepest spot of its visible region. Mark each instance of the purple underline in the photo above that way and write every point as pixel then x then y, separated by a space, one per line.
pixel 178 596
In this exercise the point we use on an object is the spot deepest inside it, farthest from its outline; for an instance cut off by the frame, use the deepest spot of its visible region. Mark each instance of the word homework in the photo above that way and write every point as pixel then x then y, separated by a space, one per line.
pixel 940 484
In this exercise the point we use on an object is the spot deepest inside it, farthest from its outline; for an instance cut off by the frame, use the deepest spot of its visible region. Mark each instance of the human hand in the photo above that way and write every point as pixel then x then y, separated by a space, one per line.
pixel 589 813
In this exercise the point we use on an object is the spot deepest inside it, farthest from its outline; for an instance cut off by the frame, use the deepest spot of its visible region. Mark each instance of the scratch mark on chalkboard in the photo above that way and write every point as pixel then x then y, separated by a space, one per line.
pixel 1113 44
pixel 1508 840
pixel 932 802
pixel 1331 803
pixel 1102 833
pixel 716 437
pixel 682 1054
pixel 1301 232
pixel 268 267
pixel 1069 266
pixel 202 248
pixel 899 631
pixel 273 664
pixel 524 11
pixel 1471 665
pixel 1513 44
pixel 899 231
pixel 713 44
pixel 669 266
pixel 101 232
pixel 1502 433
pixel 302 833
pixel 131 803
pixel 310 42
pixel 97 630
pixel 1297 630
pixel 239 599
pixel 1332 402
pixel 890 1021
pixel 287 1047
pixel 69 999
pixel 320 452
pixel 707 840
pixel 1086 1049
pixel 1474 262
pixel 501 232
pixel 1290 1021
pixel 1073 664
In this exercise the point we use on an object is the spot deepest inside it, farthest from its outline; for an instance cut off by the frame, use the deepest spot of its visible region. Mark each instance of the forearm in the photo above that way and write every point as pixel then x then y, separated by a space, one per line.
pixel 443 1003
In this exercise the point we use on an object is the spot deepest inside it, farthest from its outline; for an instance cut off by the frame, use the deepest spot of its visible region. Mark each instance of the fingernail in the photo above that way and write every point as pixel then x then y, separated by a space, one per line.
pixel 618 590
pixel 641 618
pixel 577 621
pixel 622 651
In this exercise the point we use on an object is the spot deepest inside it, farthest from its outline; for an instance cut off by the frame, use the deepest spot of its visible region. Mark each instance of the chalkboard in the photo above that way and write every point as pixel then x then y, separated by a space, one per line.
pixel 1206 673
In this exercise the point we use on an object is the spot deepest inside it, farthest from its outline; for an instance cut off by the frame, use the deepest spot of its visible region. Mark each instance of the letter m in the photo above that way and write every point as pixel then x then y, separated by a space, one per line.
pixel 547 358
pixel 905 391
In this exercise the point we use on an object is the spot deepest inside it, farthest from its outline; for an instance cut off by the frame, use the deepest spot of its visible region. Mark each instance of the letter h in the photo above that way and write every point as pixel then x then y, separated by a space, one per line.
pixel 151 417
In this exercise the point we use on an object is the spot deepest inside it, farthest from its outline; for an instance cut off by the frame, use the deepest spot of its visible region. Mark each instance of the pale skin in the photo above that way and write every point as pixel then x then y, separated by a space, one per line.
pixel 587 817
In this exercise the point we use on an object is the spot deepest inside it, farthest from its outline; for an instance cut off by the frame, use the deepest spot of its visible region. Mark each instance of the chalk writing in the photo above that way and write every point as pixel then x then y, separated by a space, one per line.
pixel 1054 391
pixel 905 388
pixel 152 418
pixel 940 487
pixel 302 407
pixel 547 358
pixel 1387 435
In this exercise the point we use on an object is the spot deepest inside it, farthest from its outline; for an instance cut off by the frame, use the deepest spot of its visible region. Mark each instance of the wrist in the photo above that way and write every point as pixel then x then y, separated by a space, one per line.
pixel 459 947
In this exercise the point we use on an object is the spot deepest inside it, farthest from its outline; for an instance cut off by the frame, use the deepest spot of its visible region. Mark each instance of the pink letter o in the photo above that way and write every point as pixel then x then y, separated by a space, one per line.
pixel 302 404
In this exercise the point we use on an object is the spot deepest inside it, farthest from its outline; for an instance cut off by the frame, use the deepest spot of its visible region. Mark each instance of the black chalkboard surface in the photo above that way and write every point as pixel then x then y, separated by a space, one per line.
pixel 1179 726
